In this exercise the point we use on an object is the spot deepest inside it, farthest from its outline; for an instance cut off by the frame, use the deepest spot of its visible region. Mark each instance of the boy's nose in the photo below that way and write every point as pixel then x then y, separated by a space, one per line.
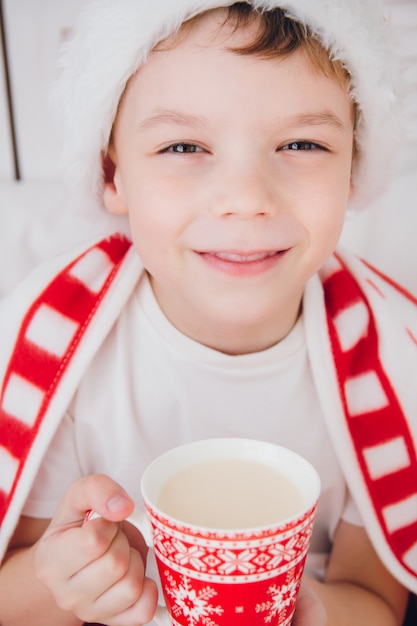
pixel 245 193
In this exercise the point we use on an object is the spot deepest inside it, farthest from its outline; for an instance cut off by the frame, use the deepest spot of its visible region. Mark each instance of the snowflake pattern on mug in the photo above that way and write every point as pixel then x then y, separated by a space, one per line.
pixel 240 578
pixel 194 605
pixel 281 601
pixel 228 558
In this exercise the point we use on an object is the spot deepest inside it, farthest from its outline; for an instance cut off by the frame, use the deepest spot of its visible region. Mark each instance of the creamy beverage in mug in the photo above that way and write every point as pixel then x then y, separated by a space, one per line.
pixel 230 493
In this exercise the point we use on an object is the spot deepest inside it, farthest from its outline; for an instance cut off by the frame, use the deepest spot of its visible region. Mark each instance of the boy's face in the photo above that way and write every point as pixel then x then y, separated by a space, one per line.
pixel 235 172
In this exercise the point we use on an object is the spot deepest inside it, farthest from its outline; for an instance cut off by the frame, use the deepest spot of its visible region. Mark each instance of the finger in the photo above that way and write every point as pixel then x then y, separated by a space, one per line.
pixel 122 588
pixel 98 492
pixel 142 611
pixel 104 572
pixel 309 608
pixel 61 553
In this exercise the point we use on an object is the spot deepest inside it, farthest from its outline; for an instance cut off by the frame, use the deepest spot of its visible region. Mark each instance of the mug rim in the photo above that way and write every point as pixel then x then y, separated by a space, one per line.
pixel 191 453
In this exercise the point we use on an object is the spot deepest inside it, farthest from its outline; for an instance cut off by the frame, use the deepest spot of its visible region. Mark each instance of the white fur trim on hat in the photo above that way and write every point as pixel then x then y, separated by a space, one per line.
pixel 114 37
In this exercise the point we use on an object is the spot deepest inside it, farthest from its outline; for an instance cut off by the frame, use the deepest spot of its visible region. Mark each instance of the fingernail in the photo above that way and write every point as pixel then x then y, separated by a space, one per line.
pixel 117 502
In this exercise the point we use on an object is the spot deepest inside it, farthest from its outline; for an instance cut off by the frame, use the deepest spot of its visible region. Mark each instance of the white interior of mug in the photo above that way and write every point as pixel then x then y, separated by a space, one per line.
pixel 286 462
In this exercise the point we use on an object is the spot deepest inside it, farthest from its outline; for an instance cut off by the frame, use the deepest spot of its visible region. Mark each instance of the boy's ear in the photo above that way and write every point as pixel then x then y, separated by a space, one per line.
pixel 112 199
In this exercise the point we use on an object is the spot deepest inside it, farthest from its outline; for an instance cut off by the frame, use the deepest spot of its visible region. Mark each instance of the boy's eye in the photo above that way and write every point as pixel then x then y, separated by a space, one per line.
pixel 183 148
pixel 302 145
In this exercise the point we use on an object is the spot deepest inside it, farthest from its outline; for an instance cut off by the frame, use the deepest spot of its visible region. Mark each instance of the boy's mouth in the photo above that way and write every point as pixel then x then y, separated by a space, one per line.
pixel 238 257
pixel 242 263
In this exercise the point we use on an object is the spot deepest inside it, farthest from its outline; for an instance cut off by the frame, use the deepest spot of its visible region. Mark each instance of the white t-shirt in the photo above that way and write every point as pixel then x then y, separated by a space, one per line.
pixel 150 388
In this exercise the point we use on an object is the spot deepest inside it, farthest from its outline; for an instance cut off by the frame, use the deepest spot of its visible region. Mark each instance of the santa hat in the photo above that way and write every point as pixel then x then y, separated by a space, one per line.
pixel 113 38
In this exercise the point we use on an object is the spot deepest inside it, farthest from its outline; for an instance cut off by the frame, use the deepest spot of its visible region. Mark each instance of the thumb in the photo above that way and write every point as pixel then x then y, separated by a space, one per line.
pixel 94 492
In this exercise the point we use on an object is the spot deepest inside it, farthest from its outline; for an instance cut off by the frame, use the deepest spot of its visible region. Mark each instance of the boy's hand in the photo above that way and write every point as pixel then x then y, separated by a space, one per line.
pixel 92 569
pixel 310 610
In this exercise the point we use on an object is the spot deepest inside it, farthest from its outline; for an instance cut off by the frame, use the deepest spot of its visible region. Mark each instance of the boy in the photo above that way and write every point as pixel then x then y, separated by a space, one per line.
pixel 234 145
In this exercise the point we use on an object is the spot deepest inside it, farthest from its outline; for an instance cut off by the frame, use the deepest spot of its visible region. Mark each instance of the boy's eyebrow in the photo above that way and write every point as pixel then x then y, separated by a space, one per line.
pixel 171 117
pixel 168 116
pixel 321 118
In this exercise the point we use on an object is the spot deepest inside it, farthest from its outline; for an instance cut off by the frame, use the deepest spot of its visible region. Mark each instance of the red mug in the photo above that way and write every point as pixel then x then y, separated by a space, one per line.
pixel 230 521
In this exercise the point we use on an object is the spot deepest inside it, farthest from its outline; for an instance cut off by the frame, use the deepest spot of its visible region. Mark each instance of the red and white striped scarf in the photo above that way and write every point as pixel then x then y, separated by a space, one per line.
pixel 361 333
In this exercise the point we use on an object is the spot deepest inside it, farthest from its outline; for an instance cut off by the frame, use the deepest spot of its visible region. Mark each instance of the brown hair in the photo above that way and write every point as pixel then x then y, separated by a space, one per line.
pixel 277 36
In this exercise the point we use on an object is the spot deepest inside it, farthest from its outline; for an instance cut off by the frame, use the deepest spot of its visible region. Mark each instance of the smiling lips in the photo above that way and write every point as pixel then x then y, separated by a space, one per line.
pixel 242 263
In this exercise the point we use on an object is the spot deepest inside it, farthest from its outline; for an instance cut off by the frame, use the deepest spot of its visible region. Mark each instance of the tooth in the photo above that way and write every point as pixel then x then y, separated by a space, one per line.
pixel 230 256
